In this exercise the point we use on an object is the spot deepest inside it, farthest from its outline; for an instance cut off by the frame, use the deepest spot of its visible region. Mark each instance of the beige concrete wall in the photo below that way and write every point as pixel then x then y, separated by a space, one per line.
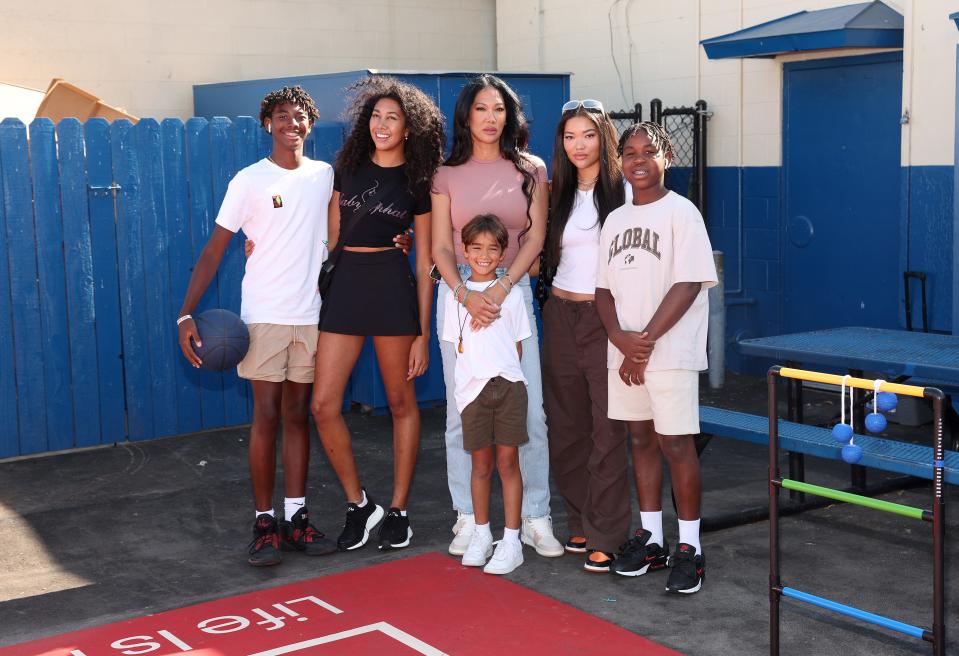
pixel 145 55
pixel 623 51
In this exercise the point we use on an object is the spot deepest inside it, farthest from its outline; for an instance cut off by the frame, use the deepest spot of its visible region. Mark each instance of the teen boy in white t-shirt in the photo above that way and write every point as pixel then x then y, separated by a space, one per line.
pixel 281 203
pixel 490 394
pixel 655 265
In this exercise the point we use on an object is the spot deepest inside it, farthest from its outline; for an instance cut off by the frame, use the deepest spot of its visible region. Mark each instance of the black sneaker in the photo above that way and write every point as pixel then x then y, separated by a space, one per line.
pixel 395 531
pixel 637 556
pixel 265 547
pixel 299 535
pixel 689 570
pixel 359 523
pixel 575 545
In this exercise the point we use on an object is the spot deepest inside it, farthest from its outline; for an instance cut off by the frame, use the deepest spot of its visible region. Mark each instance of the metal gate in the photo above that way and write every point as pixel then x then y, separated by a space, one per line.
pixel 687 130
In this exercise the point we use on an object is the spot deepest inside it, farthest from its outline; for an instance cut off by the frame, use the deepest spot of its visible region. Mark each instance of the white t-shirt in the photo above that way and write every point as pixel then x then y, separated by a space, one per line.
pixel 578 256
pixel 577 265
pixel 284 212
pixel 488 352
pixel 643 251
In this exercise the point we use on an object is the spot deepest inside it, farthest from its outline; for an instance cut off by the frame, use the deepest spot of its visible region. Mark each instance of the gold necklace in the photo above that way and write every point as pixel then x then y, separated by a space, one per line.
pixel 586 185
pixel 463 323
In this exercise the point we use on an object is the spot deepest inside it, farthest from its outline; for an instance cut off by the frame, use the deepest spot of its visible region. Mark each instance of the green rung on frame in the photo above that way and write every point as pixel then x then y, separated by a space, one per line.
pixel 937 634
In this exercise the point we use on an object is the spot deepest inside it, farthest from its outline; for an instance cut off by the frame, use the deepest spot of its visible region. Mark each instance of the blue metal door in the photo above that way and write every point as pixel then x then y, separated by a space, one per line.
pixel 841 165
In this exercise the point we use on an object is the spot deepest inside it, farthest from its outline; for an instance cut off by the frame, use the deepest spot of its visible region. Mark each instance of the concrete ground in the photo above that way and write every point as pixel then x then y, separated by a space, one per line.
pixel 102 535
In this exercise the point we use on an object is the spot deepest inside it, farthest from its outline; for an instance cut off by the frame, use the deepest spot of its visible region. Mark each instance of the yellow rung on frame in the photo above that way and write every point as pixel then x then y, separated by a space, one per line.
pixel 861 383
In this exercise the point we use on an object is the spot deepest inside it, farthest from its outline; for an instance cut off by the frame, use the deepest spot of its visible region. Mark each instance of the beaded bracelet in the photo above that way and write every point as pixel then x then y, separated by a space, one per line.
pixel 501 284
pixel 466 296
pixel 457 289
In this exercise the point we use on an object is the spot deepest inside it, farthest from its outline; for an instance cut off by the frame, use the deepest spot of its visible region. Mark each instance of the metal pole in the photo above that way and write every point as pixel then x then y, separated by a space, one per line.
pixel 716 348
pixel 656 111
pixel 774 584
pixel 700 150
pixel 938 531
pixel 638 113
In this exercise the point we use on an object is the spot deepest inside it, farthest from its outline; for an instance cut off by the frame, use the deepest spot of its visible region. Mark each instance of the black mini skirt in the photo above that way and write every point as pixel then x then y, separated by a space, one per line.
pixel 372 294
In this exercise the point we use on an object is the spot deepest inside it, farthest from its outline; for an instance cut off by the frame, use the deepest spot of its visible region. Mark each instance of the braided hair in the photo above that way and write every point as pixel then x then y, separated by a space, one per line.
pixel 295 95
pixel 657 136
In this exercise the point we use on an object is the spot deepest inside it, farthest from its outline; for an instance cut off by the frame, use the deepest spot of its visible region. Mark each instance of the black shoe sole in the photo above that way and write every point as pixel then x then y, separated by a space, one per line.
pixel 266 562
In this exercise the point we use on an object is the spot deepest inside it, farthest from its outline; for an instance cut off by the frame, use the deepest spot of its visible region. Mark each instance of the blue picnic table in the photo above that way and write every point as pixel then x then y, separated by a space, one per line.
pixel 894 352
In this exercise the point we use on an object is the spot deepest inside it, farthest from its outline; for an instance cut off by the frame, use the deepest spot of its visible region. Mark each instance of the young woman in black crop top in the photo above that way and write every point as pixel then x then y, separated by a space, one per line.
pixel 386 165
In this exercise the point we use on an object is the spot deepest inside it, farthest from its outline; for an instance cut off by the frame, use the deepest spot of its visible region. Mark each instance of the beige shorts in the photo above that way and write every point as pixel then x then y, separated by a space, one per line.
pixel 670 398
pixel 280 352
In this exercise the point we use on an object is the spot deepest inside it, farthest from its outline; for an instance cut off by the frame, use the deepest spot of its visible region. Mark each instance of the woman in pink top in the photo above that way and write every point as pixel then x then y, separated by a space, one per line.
pixel 489 171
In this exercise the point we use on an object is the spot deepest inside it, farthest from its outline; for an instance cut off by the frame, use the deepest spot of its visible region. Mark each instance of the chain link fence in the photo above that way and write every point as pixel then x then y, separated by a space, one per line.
pixel 687 132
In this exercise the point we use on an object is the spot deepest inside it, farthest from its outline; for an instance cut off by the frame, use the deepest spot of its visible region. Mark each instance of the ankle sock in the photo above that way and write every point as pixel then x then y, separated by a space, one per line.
pixel 689 533
pixel 291 505
pixel 269 512
pixel 511 535
pixel 483 529
pixel 402 513
pixel 362 502
pixel 653 522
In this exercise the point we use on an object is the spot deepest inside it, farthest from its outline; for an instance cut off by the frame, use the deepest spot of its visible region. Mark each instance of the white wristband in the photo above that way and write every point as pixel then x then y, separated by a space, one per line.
pixel 183 318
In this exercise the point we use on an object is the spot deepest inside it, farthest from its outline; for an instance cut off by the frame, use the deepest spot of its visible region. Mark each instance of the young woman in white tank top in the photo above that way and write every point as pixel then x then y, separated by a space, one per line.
pixel 587 450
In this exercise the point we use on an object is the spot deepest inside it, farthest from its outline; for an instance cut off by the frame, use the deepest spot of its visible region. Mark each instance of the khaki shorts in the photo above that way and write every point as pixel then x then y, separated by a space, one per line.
pixel 496 416
pixel 280 352
pixel 670 398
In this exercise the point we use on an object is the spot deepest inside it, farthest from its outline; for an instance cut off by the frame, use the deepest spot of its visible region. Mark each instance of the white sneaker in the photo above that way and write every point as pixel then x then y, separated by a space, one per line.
pixel 479 549
pixel 463 529
pixel 507 557
pixel 537 532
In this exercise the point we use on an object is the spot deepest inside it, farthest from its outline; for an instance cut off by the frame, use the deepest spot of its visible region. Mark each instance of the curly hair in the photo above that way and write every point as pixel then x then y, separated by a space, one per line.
pixel 423 150
pixel 295 95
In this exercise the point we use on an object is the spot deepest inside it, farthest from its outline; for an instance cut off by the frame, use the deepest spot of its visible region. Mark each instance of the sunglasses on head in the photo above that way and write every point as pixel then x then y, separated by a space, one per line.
pixel 588 103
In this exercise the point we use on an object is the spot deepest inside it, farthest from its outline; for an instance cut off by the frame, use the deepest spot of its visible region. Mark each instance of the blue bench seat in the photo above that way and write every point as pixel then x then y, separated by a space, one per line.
pixel 890 455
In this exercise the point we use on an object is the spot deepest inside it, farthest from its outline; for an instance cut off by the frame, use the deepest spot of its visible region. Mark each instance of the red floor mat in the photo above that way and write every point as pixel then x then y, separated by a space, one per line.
pixel 427 604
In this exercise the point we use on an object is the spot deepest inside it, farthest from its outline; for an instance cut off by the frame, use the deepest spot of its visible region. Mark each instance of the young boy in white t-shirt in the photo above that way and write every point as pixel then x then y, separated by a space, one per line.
pixel 490 394
pixel 656 264
pixel 281 203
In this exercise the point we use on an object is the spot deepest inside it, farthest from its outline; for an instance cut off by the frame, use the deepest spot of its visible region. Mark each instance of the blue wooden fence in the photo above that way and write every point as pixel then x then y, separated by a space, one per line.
pixel 100 225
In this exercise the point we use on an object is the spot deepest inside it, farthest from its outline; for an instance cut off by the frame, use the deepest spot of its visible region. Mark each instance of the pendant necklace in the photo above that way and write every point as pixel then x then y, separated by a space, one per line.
pixel 466 318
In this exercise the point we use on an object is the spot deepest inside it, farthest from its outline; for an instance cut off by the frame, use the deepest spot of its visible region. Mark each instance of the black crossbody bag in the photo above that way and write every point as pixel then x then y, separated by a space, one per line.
pixel 329 266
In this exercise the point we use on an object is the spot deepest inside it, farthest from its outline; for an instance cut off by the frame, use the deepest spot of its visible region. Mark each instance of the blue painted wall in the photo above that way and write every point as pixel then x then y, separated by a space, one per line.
pixel 927 220
pixel 744 221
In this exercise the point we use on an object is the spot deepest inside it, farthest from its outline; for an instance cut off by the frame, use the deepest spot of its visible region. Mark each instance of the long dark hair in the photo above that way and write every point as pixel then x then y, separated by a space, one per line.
pixel 608 194
pixel 513 141
pixel 423 150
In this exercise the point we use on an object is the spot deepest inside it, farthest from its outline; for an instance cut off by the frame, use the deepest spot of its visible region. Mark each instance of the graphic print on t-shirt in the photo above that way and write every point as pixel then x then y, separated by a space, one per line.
pixel 356 201
pixel 635 238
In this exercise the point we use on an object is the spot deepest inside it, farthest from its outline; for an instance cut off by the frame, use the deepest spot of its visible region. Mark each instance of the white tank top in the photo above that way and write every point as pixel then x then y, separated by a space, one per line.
pixel 580 247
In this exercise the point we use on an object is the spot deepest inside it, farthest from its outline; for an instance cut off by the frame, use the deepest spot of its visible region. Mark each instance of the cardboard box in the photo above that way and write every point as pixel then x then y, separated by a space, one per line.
pixel 63 100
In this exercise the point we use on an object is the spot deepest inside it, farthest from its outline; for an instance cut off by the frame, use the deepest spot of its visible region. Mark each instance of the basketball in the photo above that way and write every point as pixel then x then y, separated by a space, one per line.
pixel 224 337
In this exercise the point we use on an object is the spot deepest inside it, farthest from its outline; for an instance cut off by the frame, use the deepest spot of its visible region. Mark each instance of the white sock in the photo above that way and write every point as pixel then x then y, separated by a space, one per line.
pixel 265 512
pixel 402 513
pixel 653 522
pixel 511 535
pixel 689 533
pixel 291 505
pixel 363 500
pixel 483 529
